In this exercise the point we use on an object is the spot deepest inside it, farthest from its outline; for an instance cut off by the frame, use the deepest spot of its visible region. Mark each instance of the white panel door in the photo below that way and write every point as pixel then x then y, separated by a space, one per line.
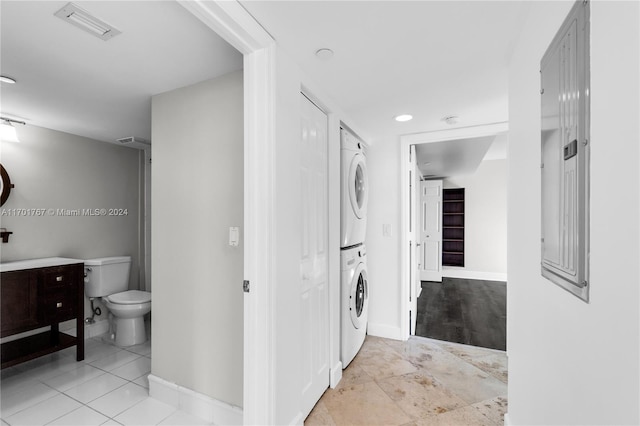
pixel 431 230
pixel 314 296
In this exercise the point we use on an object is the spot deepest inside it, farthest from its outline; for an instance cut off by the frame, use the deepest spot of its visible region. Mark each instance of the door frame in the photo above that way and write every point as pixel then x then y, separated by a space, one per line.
pixel 412 235
pixel 232 22
pixel 405 143
pixel 235 25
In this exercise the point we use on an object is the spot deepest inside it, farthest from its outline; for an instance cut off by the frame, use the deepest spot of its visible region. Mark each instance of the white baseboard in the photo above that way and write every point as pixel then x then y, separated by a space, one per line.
pixel 335 375
pixel 507 420
pixel 194 403
pixel 386 331
pixel 474 275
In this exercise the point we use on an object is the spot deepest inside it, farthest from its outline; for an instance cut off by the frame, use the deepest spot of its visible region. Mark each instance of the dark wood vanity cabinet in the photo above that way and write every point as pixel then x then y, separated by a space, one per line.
pixel 37 298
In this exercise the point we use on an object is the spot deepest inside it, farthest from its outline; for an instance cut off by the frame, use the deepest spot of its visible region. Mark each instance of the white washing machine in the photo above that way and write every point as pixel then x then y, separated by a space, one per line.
pixel 355 190
pixel 354 301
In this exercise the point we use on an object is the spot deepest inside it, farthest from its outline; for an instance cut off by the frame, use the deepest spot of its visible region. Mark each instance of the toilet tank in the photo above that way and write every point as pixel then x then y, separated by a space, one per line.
pixel 106 275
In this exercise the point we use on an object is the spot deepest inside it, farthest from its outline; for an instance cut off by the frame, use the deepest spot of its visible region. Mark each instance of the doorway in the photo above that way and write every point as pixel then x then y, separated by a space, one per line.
pixel 410 250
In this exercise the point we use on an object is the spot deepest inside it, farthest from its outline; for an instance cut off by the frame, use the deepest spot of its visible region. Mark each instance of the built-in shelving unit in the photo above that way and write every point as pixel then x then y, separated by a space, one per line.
pixel 453 227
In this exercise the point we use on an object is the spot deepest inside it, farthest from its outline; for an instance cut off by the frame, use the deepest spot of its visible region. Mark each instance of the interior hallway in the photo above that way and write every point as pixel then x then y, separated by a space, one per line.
pixel 418 382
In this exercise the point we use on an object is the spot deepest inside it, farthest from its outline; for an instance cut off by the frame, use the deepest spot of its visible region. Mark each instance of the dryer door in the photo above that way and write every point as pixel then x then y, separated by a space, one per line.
pixel 359 297
pixel 358 185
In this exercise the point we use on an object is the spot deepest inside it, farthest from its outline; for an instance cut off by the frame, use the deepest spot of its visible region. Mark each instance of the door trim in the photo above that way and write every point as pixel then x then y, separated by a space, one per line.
pixel 405 196
pixel 236 26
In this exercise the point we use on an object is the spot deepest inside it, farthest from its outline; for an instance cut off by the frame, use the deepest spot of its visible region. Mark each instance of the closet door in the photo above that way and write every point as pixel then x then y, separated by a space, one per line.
pixel 314 267
pixel 431 230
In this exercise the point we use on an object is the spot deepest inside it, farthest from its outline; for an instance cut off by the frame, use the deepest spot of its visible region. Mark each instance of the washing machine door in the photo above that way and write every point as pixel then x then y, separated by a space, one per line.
pixel 358 185
pixel 359 297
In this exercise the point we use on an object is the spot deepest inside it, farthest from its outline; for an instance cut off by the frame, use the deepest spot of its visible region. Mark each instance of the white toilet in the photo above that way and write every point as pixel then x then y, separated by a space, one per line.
pixel 108 278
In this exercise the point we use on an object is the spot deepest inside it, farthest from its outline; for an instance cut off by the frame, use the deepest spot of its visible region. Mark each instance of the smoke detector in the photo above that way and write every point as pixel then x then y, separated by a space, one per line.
pixel 134 142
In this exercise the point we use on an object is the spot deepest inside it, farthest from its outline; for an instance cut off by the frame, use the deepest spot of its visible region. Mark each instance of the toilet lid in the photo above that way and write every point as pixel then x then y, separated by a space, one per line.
pixel 130 297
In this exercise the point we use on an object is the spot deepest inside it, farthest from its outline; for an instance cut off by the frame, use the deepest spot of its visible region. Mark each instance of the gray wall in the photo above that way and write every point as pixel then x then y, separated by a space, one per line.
pixel 197 194
pixel 55 170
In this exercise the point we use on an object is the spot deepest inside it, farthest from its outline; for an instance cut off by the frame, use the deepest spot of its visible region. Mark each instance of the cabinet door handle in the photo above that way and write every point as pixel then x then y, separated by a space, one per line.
pixel 59 278
pixel 59 305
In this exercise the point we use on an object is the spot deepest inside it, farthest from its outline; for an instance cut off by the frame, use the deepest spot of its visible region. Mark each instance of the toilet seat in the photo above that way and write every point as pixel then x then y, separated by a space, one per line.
pixel 130 297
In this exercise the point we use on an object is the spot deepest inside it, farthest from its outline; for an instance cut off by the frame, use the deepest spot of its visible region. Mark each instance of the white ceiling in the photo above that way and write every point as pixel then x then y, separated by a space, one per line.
pixel 71 81
pixel 455 157
pixel 427 58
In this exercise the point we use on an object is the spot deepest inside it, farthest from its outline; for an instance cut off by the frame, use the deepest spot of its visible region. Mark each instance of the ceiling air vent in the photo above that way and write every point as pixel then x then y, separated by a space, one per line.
pixel 134 142
pixel 79 17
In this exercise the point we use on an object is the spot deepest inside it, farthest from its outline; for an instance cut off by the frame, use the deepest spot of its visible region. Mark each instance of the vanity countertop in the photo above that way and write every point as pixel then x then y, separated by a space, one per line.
pixel 19 265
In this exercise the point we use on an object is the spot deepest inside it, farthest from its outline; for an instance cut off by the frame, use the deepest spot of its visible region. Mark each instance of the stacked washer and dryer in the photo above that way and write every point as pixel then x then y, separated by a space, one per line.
pixel 354 299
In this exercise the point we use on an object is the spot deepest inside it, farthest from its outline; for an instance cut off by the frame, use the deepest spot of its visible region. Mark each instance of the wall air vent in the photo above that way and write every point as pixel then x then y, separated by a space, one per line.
pixel 134 142
pixel 79 17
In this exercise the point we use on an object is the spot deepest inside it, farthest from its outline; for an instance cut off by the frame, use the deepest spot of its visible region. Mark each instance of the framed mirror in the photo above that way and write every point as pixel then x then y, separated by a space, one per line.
pixel 5 189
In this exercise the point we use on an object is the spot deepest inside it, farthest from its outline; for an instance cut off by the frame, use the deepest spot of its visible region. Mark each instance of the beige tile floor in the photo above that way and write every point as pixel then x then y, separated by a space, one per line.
pixel 418 382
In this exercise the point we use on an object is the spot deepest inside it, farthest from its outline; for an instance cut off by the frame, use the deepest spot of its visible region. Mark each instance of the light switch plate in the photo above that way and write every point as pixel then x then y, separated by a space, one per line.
pixel 234 236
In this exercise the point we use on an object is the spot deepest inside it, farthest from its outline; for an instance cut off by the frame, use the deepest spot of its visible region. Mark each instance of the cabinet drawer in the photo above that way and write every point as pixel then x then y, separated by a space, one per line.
pixel 58 277
pixel 59 306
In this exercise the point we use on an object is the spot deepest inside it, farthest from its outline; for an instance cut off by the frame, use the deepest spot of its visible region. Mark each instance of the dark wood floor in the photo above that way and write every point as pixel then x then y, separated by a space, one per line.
pixel 473 312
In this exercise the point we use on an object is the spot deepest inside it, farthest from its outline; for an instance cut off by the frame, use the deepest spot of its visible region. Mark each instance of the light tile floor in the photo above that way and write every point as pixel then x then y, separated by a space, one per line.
pixel 110 387
pixel 418 382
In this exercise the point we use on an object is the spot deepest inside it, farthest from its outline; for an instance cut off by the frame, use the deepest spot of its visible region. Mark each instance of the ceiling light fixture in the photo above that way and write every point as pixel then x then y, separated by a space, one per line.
pixel 324 54
pixel 8 131
pixel 79 17
pixel 403 117
pixel 451 119
pixel 5 79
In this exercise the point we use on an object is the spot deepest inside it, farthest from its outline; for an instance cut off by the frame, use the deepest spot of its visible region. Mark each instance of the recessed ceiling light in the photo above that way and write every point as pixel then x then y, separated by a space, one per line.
pixel 426 164
pixel 324 54
pixel 5 79
pixel 403 117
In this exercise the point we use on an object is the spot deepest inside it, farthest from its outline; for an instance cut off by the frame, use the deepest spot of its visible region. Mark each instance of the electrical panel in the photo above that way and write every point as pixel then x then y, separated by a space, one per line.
pixel 565 145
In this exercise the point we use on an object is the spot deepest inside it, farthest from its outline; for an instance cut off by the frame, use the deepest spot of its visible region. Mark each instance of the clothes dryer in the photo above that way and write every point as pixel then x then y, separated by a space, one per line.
pixel 354 302
pixel 355 190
